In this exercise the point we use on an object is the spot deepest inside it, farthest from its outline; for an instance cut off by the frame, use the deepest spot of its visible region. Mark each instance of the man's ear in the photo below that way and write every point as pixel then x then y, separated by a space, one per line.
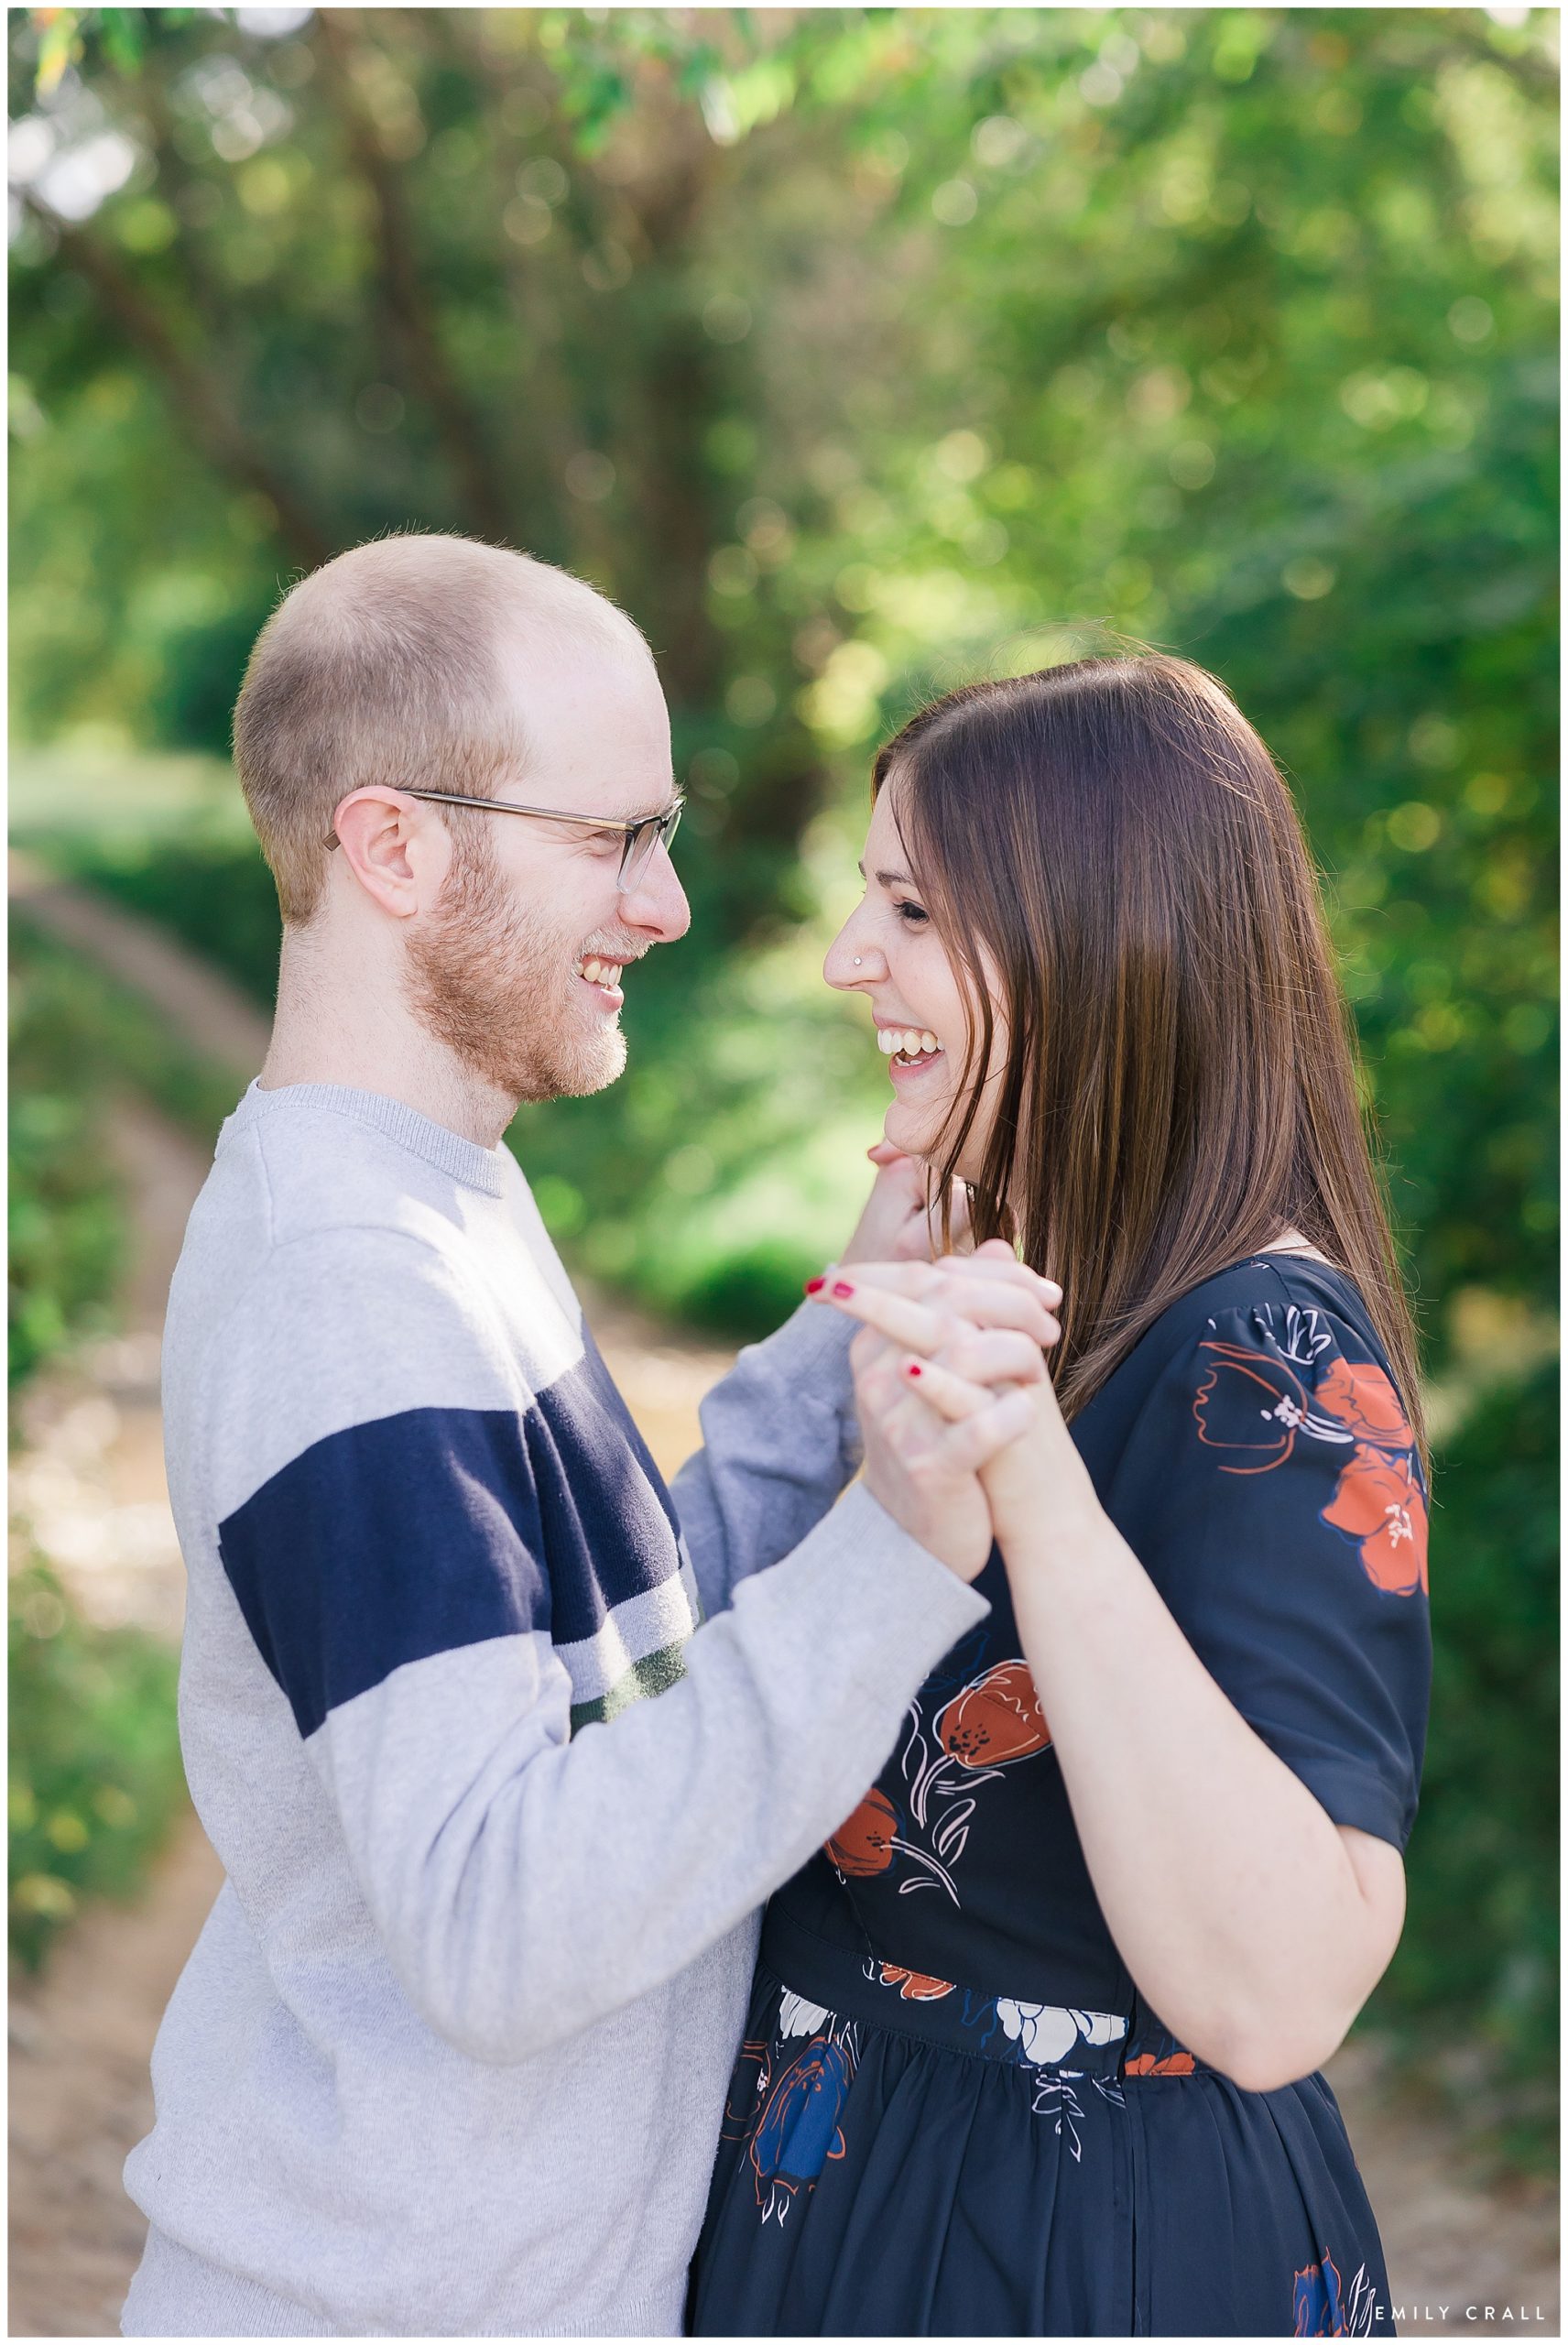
pixel 396 849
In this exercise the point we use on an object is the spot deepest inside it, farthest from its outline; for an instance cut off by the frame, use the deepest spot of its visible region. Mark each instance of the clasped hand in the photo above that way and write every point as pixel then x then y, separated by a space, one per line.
pixel 964 1442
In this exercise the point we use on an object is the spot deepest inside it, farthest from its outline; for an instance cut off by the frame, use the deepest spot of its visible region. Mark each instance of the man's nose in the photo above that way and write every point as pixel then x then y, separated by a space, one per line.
pixel 657 903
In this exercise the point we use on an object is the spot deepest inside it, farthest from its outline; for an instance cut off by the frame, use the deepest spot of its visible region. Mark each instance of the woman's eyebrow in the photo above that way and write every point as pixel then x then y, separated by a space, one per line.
pixel 887 879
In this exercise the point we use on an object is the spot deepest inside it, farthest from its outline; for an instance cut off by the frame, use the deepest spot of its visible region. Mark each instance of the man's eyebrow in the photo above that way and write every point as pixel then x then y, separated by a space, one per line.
pixel 676 797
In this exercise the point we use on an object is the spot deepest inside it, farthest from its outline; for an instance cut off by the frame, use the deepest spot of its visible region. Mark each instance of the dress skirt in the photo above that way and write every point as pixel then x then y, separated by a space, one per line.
pixel 902 2158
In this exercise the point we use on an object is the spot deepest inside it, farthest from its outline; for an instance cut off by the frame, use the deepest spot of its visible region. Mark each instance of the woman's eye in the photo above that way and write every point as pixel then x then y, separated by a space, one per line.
pixel 911 915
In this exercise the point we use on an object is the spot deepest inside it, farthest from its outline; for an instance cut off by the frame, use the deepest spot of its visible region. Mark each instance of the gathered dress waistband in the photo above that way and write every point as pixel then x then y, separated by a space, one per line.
pixel 833 1980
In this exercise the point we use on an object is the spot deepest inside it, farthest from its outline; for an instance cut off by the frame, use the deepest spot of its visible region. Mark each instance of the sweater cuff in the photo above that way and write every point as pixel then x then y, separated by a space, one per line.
pixel 812 1349
pixel 920 1609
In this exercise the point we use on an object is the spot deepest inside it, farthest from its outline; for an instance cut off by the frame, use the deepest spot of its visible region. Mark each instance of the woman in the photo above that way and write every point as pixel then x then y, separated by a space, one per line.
pixel 1034 2040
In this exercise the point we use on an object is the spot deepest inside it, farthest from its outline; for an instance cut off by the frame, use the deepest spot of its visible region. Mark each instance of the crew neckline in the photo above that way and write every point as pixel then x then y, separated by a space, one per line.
pixel 437 1144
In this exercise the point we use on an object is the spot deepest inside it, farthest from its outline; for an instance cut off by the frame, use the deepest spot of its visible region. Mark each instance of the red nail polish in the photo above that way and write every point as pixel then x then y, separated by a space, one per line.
pixel 914 1368
pixel 842 1287
pixel 815 1286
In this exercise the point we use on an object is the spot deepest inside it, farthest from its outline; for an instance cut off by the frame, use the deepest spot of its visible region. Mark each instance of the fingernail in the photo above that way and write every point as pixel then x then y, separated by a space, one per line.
pixel 914 1368
pixel 842 1287
pixel 815 1286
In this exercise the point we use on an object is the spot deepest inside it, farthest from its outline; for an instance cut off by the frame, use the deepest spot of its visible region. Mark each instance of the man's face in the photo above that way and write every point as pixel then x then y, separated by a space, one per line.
pixel 496 969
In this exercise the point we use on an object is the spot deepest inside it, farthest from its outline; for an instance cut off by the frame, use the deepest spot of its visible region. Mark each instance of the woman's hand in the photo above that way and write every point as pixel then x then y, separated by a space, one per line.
pixel 1037 1487
pixel 952 1332
pixel 991 1345
pixel 923 1470
pixel 897 1225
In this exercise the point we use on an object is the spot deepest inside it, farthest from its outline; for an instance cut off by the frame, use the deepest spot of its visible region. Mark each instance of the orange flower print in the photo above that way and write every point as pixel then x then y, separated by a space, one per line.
pixel 996 1719
pixel 863 1843
pixel 1273 1405
pixel 914 1986
pixel 1177 2064
pixel 1361 1399
pixel 1379 1503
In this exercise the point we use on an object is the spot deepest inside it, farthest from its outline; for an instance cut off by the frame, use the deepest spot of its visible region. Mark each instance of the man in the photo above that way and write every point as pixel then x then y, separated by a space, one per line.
pixel 450 2053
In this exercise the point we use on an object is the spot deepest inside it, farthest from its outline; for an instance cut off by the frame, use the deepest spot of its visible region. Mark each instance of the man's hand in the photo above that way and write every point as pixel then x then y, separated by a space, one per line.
pixel 897 1224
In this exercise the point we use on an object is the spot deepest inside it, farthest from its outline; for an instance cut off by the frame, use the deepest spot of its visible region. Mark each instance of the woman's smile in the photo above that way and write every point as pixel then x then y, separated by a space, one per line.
pixel 911 1051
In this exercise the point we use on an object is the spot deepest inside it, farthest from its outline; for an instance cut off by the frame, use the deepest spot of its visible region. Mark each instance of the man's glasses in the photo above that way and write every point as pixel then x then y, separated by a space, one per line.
pixel 639 841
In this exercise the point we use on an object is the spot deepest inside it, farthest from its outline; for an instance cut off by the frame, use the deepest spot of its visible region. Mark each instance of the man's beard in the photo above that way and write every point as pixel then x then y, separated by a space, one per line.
pixel 501 993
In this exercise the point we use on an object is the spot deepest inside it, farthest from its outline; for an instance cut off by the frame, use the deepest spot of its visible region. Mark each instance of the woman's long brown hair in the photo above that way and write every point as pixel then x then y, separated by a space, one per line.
pixel 1179 1083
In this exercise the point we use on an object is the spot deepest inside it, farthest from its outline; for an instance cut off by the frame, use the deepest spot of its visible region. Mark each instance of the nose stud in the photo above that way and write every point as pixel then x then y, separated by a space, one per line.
pixel 857 960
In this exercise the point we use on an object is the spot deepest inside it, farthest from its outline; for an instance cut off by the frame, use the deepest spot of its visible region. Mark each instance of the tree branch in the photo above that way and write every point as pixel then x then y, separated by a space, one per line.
pixel 428 372
pixel 195 393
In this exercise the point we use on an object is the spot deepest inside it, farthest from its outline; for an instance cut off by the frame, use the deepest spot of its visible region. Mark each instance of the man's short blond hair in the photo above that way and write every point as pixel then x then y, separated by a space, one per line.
pixel 382 668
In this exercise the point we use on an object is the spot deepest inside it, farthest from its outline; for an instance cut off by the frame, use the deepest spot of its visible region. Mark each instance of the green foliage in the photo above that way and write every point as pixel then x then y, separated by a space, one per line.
pixel 95 1775
pixel 67 1235
pixel 1480 1951
pixel 78 1036
pixel 216 895
pixel 939 335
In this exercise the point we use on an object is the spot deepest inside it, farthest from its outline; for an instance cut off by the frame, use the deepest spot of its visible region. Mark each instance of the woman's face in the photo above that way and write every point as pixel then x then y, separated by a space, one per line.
pixel 889 950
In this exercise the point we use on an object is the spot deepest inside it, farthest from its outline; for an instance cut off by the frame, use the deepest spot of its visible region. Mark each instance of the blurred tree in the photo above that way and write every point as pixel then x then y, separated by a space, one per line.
pixel 854 351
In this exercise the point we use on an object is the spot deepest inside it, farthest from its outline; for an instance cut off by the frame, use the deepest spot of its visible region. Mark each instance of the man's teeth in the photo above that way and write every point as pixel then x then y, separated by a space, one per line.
pixel 600 973
pixel 911 1041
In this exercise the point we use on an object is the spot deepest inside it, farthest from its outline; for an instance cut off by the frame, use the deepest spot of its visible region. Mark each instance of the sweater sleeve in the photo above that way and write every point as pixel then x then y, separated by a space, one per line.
pixel 394 1569
pixel 780 1439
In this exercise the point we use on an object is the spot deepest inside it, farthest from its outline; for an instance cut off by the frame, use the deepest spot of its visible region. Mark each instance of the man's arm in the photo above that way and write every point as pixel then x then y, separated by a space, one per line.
pixel 779 1441
pixel 390 1564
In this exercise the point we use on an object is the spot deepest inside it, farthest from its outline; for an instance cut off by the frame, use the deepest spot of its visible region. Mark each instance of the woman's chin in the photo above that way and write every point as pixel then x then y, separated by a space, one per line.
pixel 910 1131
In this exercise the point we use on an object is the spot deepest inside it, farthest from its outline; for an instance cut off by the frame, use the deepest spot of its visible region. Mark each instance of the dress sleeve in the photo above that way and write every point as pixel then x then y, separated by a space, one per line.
pixel 1273 1491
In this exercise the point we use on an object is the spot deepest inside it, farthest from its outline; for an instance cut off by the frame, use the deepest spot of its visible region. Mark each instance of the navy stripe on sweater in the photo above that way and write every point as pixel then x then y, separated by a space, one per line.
pixel 437 1528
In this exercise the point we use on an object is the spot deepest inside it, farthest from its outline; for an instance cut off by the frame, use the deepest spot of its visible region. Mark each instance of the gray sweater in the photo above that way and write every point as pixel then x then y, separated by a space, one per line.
pixel 449 2055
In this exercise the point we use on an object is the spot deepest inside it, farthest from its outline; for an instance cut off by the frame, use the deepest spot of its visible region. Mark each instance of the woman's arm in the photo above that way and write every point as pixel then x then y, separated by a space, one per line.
pixel 1255 1926
pixel 1253 1923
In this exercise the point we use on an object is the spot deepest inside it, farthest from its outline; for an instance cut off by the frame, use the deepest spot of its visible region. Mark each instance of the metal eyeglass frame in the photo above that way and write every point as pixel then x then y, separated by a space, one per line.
pixel 663 827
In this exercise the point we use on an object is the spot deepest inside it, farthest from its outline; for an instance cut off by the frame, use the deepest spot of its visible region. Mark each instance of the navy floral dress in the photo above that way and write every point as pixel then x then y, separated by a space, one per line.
pixel 953 2113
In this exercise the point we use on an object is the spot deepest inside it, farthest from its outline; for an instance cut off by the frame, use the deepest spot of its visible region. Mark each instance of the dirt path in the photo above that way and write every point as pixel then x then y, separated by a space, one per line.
pixel 90 1482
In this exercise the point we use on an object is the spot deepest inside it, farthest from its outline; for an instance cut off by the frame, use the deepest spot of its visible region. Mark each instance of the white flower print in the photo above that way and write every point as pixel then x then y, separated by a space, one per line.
pixel 1101 2027
pixel 1044 2032
pixel 798 2017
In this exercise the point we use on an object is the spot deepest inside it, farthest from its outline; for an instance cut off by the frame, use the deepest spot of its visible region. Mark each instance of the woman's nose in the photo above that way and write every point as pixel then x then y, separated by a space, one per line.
pixel 851 960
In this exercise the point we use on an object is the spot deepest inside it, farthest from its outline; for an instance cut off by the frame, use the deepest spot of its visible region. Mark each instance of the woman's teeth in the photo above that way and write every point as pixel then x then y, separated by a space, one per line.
pixel 906 1041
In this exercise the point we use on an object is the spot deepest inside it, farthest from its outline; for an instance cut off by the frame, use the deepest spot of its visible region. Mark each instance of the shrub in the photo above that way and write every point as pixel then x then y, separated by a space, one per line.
pixel 95 1773
pixel 67 1232
pixel 1479 1957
